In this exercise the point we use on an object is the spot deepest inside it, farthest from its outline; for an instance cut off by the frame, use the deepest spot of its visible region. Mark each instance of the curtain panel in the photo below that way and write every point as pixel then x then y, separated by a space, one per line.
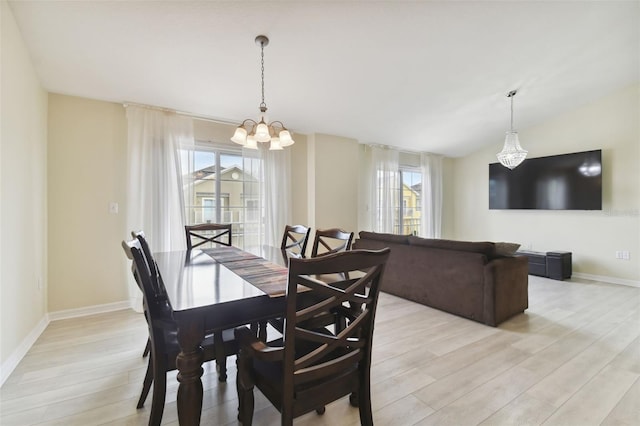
pixel 277 194
pixel 384 190
pixel 155 202
pixel 431 223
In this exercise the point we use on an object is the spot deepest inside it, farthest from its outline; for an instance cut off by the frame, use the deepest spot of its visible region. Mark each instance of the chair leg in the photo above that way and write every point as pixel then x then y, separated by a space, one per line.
pixel 159 393
pixel 239 391
pixel 244 384
pixel 364 405
pixel 146 384
pixel 286 418
pixel 353 399
pixel 221 357
pixel 246 415
pixel 147 348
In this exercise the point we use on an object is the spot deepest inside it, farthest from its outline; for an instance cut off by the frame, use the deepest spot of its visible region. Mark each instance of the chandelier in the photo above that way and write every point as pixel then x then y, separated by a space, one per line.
pixel 512 153
pixel 250 132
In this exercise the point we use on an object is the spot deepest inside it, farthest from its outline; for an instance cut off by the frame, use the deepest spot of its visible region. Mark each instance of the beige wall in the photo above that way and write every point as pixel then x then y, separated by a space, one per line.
pixel 87 171
pixel 299 208
pixel 23 212
pixel 332 182
pixel 610 124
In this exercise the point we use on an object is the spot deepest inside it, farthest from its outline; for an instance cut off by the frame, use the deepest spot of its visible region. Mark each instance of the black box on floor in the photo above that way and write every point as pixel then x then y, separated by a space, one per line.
pixel 559 265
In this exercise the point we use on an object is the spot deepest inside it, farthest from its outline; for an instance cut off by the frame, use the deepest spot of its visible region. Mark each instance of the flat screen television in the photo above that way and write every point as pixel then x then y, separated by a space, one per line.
pixel 559 182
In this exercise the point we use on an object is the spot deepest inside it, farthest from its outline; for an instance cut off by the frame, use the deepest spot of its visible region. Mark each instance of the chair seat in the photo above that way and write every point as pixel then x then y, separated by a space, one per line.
pixel 268 377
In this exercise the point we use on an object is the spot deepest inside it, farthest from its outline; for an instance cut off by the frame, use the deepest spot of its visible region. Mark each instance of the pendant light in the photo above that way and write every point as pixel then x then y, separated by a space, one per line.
pixel 512 153
pixel 251 132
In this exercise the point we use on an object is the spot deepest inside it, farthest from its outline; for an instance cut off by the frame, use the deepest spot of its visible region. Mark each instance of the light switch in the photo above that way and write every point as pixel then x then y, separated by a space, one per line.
pixel 113 207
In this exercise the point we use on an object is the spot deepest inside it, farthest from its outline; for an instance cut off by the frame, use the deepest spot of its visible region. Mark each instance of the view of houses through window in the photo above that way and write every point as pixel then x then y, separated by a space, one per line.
pixel 399 201
pixel 223 186
pixel 410 213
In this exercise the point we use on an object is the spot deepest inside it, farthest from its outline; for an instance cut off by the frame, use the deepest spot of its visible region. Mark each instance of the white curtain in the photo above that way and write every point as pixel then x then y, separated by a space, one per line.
pixel 277 194
pixel 431 222
pixel 155 202
pixel 384 191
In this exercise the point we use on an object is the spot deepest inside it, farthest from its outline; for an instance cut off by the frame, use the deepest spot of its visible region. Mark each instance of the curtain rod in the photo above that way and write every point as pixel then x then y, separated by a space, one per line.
pixel 184 113
pixel 403 151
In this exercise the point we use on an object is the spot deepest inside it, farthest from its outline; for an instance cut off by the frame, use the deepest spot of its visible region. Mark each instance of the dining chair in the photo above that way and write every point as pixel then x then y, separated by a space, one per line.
pixel 162 331
pixel 295 238
pixel 315 366
pixel 330 241
pixel 212 233
pixel 140 236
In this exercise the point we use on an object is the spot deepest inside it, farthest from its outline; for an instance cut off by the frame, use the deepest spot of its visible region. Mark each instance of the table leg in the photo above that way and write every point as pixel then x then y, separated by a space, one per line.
pixel 189 363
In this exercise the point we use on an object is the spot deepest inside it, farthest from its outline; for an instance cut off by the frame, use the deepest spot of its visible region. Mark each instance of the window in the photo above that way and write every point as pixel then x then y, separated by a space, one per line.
pixel 208 210
pixel 411 184
pixel 399 195
pixel 222 186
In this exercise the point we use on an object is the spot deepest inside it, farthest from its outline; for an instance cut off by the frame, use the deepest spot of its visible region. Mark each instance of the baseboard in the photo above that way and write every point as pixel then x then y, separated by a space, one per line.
pixel 14 359
pixel 612 280
pixel 89 310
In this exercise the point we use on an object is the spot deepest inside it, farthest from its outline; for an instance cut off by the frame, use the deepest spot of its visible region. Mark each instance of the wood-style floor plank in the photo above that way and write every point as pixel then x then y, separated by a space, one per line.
pixel 572 359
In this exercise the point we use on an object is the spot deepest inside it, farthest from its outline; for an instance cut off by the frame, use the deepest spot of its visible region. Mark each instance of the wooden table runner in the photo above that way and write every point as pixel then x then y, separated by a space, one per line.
pixel 267 276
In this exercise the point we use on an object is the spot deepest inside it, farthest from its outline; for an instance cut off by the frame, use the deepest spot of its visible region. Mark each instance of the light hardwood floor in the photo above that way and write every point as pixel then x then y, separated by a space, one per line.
pixel 572 359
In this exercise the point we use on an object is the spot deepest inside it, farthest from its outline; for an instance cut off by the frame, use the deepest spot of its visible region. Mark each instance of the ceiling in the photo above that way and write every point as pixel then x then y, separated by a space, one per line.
pixel 420 75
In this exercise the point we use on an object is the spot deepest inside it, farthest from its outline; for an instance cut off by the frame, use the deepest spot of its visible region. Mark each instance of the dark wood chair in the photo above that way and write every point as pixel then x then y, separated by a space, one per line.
pixel 316 366
pixel 294 239
pixel 162 331
pixel 212 233
pixel 140 236
pixel 330 241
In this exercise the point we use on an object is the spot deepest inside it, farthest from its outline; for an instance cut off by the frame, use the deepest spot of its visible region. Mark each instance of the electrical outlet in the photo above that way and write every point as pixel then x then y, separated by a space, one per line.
pixel 623 254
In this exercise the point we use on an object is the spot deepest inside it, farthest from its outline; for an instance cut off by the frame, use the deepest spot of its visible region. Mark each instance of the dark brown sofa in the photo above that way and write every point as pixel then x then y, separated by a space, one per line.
pixel 469 279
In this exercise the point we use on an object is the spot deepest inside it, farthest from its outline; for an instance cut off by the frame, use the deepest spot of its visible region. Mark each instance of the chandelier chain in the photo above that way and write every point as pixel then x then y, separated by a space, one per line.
pixel 511 112
pixel 262 75
pixel 511 95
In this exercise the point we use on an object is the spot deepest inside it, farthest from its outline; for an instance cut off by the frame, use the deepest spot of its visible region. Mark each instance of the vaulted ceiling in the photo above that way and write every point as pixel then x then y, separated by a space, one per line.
pixel 420 75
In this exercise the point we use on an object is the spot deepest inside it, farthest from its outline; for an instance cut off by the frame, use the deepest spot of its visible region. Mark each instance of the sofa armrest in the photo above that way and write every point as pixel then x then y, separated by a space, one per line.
pixel 506 291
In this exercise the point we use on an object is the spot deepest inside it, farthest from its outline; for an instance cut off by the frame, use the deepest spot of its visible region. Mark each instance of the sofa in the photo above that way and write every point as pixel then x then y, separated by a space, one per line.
pixel 475 280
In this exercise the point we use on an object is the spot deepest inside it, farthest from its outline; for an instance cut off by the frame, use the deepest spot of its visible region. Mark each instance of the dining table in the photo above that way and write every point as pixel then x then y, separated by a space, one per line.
pixel 213 290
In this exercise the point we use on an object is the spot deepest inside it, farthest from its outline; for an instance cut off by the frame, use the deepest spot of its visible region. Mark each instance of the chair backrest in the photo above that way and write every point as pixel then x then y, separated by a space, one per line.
pixel 356 298
pixel 295 239
pixel 146 250
pixel 204 233
pixel 330 241
pixel 155 303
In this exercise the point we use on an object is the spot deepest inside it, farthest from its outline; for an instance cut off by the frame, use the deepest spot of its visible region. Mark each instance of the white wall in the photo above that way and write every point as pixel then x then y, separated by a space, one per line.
pixel 23 212
pixel 610 124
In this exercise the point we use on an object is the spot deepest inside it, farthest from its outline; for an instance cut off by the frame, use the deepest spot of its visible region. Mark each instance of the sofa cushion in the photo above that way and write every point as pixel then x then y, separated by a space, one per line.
pixel 377 236
pixel 483 247
pixel 506 249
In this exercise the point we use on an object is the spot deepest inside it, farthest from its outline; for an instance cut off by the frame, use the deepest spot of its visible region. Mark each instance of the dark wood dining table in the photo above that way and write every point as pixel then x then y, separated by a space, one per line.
pixel 205 296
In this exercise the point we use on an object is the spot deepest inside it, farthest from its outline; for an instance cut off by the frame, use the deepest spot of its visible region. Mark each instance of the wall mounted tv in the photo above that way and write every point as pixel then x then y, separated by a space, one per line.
pixel 559 182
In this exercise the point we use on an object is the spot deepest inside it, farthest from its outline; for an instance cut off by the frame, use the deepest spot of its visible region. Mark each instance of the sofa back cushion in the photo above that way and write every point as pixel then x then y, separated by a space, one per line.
pixel 378 236
pixel 483 247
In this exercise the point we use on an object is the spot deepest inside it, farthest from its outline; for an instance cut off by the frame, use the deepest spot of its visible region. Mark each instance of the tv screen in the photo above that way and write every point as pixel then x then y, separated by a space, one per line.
pixel 560 182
